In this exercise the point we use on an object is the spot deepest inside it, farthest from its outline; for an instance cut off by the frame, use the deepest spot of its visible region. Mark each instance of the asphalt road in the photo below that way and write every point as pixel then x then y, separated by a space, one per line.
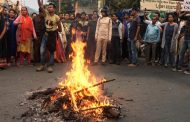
pixel 147 94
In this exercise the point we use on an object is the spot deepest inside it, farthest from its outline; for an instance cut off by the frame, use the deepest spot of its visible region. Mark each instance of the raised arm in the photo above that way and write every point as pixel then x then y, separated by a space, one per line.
pixel 40 4
pixel 1 9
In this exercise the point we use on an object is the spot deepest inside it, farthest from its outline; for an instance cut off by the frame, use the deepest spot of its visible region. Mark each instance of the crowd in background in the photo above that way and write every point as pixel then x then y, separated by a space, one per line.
pixel 115 37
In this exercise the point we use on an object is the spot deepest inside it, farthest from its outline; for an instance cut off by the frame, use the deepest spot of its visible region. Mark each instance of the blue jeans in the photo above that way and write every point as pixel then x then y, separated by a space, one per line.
pixel 168 57
pixel 132 49
pixel 185 46
pixel 43 50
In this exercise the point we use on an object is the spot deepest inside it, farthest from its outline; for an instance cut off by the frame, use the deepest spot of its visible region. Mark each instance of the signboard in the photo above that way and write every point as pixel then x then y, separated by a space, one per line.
pixel 2 1
pixel 186 5
pixel 161 5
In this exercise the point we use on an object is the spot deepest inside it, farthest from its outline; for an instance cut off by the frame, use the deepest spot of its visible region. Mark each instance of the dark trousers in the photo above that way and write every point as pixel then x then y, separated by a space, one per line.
pixel 36 48
pixel 168 57
pixel 116 50
pixel 68 47
pixel 125 53
pixel 185 47
pixel 158 51
pixel 150 52
pixel 90 49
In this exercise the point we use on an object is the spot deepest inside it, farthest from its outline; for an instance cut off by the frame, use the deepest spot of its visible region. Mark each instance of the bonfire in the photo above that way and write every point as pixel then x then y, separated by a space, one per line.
pixel 78 97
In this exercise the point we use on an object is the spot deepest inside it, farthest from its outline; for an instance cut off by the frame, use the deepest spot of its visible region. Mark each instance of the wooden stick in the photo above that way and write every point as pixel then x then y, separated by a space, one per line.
pixel 89 109
pixel 95 85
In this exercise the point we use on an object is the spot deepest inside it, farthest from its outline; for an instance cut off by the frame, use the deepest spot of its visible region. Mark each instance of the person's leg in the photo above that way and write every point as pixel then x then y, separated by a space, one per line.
pixel 21 58
pixel 42 53
pixel 98 50
pixel 129 51
pixel 124 49
pixel 166 55
pixel 118 51
pixel 109 51
pixel 147 52
pixel 153 53
pixel 182 54
pixel 68 47
pixel 51 60
pixel 158 52
pixel 43 49
pixel 134 52
pixel 28 55
pixel 112 55
pixel 36 47
pixel 104 50
pixel 188 68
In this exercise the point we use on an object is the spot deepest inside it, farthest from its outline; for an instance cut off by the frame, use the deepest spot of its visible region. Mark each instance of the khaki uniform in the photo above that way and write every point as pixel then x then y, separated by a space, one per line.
pixel 103 36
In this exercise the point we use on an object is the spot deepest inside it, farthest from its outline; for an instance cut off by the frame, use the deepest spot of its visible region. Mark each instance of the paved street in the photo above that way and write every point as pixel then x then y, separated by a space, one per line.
pixel 147 94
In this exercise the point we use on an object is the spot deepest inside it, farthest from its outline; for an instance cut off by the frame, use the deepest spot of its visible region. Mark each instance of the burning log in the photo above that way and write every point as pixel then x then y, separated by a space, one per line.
pixel 109 111
pixel 98 84
pixel 38 94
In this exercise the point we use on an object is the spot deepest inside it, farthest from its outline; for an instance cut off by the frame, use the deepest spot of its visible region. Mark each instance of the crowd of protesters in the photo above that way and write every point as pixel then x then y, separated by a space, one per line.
pixel 112 38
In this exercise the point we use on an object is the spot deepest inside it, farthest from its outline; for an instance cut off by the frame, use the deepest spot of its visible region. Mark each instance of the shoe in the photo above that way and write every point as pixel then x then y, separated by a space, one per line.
pixel 157 61
pixel 165 65
pixel 132 65
pixel 95 63
pixel 174 69
pixel 40 68
pixel 49 69
pixel 187 72
pixel 103 63
pixel 179 70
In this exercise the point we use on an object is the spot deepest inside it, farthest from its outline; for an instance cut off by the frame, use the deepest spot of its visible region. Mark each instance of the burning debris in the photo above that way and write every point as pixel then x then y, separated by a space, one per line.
pixel 79 97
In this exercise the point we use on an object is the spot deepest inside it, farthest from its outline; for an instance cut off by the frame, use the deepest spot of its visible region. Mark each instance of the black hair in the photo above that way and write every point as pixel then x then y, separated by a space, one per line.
pixel 67 13
pixel 95 12
pixel 34 13
pixel 52 4
pixel 83 13
pixel 169 15
pixel 78 15
pixel 104 11
pixel 12 10
pixel 114 14
pixel 158 13
pixel 25 8
pixel 135 9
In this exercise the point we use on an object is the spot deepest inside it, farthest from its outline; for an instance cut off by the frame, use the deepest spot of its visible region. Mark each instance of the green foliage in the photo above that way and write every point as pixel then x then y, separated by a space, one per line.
pixel 66 5
pixel 121 4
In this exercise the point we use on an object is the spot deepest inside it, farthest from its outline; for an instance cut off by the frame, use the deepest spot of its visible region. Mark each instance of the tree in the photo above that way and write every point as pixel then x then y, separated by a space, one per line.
pixel 66 5
pixel 122 4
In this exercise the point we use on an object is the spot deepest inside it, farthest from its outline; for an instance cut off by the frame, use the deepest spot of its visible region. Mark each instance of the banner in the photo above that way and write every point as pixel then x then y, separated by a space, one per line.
pixel 161 5
pixel 186 5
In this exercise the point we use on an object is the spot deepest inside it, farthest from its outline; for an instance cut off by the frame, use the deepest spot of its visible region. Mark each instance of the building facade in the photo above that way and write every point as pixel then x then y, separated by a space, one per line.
pixel 89 5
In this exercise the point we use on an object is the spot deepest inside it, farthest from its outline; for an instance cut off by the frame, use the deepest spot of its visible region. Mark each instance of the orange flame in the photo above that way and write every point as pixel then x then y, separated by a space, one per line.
pixel 78 78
